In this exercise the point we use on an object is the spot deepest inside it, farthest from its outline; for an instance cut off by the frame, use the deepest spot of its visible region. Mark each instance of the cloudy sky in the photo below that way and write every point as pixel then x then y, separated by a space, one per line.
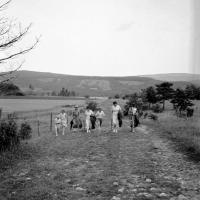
pixel 108 37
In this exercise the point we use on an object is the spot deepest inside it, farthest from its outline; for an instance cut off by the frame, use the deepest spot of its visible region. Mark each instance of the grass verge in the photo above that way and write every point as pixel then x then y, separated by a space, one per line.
pixel 185 133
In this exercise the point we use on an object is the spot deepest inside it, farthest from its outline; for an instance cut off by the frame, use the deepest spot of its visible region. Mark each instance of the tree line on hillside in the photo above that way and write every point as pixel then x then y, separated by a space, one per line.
pixel 66 92
pixel 8 88
pixel 154 96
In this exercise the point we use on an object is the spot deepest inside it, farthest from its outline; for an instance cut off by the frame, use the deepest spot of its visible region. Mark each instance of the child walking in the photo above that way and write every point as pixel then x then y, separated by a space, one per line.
pixel 88 113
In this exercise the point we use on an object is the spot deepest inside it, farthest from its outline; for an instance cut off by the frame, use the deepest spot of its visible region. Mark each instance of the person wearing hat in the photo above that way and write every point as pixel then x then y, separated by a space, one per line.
pixel 75 118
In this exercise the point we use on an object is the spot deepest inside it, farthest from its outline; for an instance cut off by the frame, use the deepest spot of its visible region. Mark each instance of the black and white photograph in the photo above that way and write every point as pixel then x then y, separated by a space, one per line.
pixel 100 100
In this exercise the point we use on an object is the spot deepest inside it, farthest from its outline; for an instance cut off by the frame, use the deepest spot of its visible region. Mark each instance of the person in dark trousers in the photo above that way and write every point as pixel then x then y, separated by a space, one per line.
pixel 76 121
pixel 93 120
pixel 120 118
pixel 133 117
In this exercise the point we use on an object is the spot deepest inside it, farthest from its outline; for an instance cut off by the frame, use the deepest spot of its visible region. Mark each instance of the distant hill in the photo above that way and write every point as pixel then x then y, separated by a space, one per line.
pixel 87 85
pixel 171 77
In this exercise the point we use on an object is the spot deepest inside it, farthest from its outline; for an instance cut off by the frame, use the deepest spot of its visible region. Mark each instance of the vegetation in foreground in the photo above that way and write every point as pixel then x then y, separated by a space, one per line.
pixel 185 132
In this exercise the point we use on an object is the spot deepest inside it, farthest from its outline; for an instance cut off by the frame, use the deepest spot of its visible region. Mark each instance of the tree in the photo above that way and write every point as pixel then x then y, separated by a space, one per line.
pixel 53 93
pixel 164 92
pixel 62 92
pixel 9 88
pixel 31 87
pixel 180 100
pixel 150 95
pixel 11 34
pixel 192 92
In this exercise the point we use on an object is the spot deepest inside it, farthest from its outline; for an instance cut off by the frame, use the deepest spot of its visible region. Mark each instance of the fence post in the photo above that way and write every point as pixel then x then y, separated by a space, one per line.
pixel 38 127
pixel 51 121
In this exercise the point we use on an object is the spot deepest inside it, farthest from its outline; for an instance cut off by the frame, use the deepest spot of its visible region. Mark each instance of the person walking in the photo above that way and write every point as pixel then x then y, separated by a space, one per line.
pixel 64 120
pixel 99 116
pixel 75 118
pixel 115 110
pixel 57 124
pixel 133 117
pixel 88 113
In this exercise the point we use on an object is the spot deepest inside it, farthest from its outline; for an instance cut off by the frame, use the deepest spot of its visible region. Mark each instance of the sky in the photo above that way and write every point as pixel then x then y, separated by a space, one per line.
pixel 108 37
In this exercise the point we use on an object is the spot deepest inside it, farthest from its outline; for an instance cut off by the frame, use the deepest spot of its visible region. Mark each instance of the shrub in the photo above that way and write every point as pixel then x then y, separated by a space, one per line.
pixel 25 131
pixel 145 107
pixel 8 134
pixel 135 100
pixel 117 96
pixel 157 108
pixel 92 105
pixel 153 116
pixel 87 96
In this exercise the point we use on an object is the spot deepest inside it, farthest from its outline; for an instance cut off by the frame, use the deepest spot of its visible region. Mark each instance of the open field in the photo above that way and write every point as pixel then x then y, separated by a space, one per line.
pixel 15 105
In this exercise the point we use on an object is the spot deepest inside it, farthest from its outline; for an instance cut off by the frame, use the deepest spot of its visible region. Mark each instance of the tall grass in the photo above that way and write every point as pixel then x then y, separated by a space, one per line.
pixel 184 131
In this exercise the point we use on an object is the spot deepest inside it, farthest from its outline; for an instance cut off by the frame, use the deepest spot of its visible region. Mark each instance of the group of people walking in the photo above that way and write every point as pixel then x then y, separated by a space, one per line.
pixel 95 119
pixel 117 117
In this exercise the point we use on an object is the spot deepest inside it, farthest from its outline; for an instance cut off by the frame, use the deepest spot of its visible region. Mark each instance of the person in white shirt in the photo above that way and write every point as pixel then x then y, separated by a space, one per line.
pixel 99 115
pixel 88 113
pixel 115 110
pixel 63 117
pixel 57 124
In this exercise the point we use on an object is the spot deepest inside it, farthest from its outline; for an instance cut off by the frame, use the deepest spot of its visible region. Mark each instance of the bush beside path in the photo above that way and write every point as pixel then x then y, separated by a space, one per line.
pixel 100 165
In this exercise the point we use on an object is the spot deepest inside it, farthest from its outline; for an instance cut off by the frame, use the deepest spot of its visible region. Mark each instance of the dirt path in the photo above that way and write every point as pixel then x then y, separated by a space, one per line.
pixel 103 165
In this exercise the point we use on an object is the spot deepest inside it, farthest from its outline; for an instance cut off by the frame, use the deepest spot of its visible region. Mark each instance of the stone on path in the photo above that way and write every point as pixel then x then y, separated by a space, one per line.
pixel 182 197
pixel 115 198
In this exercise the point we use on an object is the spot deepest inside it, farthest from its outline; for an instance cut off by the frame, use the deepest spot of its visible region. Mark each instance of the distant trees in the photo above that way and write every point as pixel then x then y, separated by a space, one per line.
pixel 152 98
pixel 11 33
pixel 66 92
pixel 53 93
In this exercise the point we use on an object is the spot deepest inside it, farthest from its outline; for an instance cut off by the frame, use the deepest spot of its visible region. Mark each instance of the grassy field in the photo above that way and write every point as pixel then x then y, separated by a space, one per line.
pixel 15 105
pixel 81 166
pixel 184 131
pixel 98 166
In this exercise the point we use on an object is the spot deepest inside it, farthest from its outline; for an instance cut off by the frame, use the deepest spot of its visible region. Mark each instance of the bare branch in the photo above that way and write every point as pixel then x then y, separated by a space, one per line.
pixel 20 52
pixel 4 5
pixel 8 79
pixel 10 34
pixel 3 74
pixel 15 38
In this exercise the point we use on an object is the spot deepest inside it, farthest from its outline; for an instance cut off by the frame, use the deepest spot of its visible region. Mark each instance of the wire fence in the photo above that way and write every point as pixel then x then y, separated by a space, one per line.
pixel 41 122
